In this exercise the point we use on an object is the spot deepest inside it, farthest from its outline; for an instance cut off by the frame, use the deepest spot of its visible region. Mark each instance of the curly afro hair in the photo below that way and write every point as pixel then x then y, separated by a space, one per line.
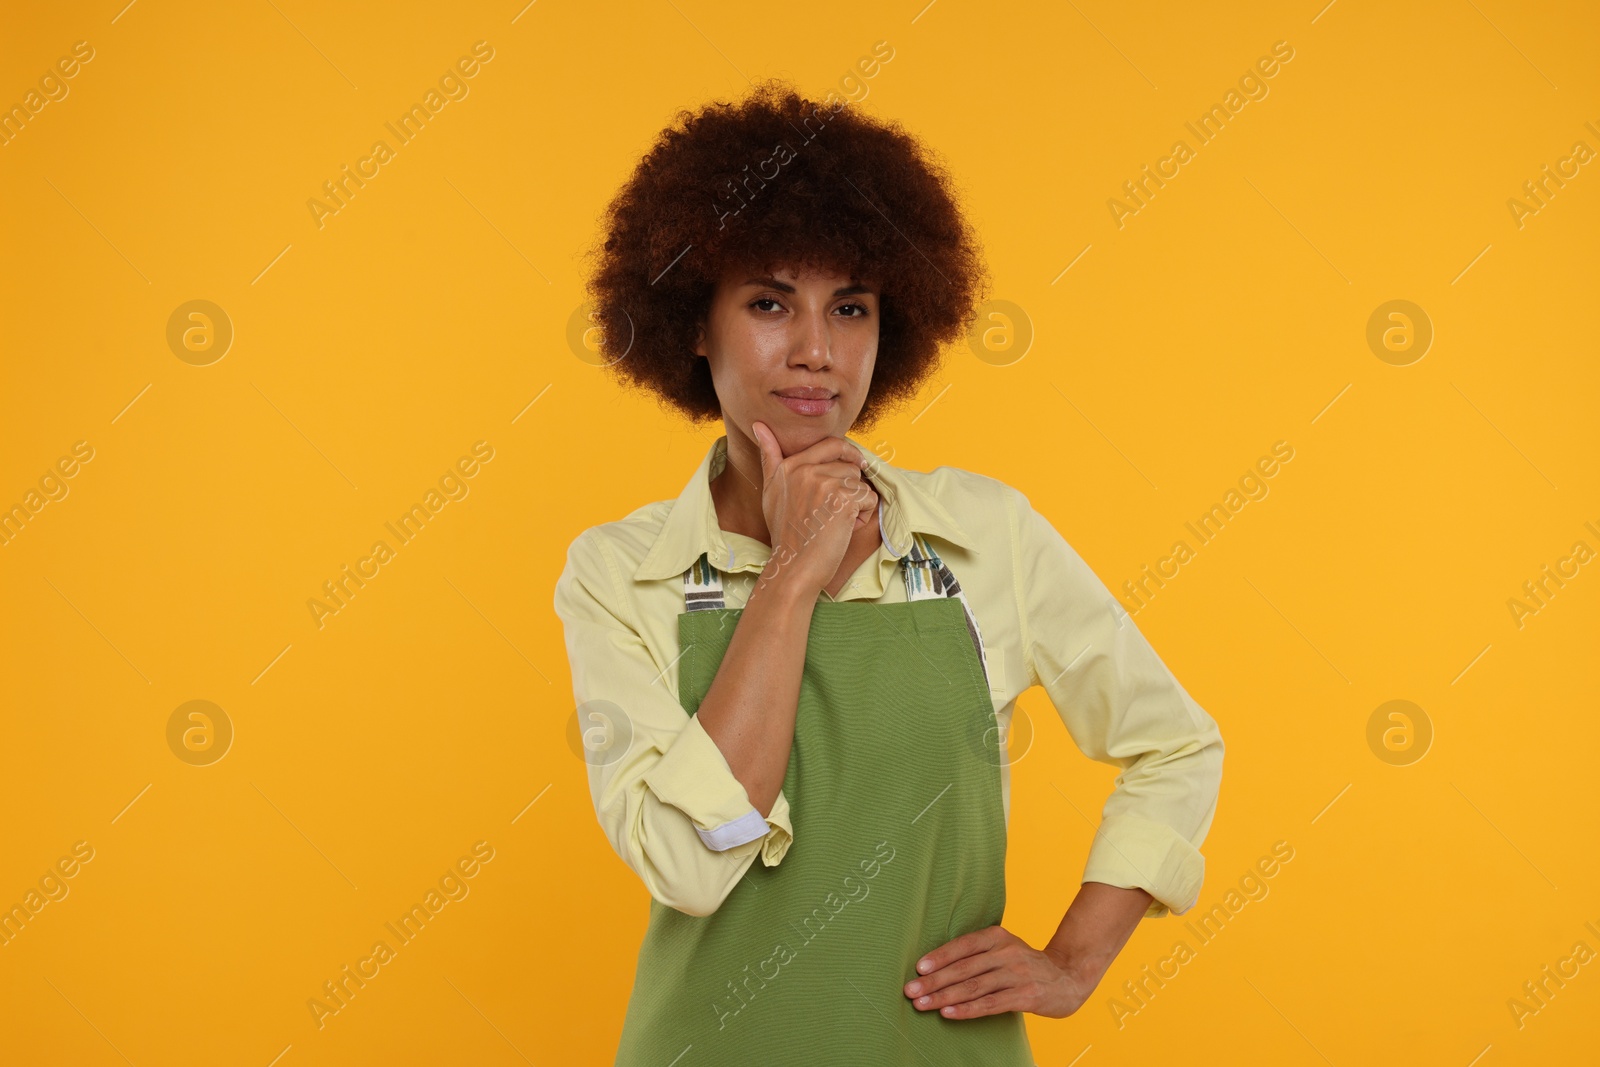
pixel 779 180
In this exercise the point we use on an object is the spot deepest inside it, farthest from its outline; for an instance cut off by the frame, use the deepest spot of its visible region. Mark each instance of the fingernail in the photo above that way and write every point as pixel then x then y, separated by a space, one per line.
pixel 924 1001
pixel 925 966
pixel 914 988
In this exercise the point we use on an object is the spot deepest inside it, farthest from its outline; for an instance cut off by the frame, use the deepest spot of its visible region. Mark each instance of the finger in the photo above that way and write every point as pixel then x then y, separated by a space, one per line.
pixel 857 492
pixel 847 473
pixel 1001 1000
pixel 771 454
pixel 832 449
pixel 833 486
pixel 869 509
pixel 963 992
pixel 841 479
pixel 870 498
pixel 966 945
pixel 838 468
pixel 950 974
pixel 866 516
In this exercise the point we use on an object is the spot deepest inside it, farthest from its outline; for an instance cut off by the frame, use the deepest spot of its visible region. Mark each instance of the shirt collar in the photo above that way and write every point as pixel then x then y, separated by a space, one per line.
pixel 691 527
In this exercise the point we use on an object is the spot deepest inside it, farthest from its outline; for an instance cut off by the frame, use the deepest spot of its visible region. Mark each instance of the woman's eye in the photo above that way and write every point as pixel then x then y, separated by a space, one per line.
pixel 860 310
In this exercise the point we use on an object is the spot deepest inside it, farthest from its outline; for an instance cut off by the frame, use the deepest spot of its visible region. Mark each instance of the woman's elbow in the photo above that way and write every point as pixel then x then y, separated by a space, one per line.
pixel 660 845
pixel 691 896
pixel 683 874
pixel 698 906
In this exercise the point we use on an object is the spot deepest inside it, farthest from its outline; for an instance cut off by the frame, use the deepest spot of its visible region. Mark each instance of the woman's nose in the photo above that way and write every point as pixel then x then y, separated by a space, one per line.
pixel 812 346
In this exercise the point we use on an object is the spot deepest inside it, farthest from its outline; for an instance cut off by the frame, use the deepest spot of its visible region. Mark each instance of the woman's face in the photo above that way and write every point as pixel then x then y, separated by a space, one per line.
pixel 794 351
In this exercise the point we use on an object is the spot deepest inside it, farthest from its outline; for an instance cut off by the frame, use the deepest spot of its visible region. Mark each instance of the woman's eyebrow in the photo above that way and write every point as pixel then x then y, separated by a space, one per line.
pixel 848 290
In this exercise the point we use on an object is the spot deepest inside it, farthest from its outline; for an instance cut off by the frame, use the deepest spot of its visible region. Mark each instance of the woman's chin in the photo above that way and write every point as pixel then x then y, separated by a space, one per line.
pixel 792 439
pixel 794 432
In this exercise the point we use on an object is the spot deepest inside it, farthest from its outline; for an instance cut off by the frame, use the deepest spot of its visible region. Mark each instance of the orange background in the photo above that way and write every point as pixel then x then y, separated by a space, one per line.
pixel 371 753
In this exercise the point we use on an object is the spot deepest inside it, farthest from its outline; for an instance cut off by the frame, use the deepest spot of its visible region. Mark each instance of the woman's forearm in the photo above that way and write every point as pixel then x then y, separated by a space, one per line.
pixel 1098 923
pixel 749 711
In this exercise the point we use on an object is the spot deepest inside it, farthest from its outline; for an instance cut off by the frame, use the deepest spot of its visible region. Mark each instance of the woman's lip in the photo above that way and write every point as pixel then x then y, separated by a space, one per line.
pixel 803 406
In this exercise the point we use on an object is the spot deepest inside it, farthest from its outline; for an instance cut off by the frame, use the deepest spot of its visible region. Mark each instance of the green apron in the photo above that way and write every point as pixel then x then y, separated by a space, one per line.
pixel 899 846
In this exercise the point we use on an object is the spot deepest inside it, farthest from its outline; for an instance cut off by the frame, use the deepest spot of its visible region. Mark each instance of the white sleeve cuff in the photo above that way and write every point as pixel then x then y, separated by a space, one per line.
pixel 746 828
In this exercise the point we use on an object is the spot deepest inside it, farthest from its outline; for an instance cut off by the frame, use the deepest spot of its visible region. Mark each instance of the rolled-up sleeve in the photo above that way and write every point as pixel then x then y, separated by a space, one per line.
pixel 662 790
pixel 1122 706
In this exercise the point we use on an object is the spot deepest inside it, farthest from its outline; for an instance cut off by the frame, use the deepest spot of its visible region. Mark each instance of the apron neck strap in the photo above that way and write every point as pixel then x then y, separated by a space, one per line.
pixel 926 577
pixel 925 574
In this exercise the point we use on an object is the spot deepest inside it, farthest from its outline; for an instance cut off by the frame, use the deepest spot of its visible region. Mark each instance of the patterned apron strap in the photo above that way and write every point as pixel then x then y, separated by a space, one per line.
pixel 702 586
pixel 927 578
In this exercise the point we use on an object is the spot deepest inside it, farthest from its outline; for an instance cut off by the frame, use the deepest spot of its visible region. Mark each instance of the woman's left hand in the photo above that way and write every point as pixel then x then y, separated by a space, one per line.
pixel 993 970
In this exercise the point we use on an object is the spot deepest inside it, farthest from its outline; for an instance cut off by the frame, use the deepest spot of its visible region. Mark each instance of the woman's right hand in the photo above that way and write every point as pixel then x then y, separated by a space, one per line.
pixel 813 501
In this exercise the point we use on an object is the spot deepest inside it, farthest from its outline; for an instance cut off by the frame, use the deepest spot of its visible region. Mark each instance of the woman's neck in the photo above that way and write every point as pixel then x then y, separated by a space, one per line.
pixel 736 491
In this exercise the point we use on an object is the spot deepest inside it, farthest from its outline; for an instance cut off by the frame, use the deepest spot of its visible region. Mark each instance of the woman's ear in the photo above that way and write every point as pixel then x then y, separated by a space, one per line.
pixel 700 339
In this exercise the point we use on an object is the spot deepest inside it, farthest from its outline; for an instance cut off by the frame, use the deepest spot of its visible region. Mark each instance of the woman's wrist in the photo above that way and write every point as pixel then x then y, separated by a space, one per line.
pixel 1098 923
pixel 782 582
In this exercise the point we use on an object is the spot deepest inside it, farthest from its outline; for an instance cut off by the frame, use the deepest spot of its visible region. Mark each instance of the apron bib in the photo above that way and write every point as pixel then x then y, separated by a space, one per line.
pixel 899 846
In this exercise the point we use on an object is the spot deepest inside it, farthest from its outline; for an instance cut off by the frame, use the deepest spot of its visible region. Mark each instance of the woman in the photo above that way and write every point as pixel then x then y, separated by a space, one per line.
pixel 809 658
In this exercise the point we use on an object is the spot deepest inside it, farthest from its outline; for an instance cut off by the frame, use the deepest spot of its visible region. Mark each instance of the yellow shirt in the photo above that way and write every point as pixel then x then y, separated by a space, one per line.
pixel 672 808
